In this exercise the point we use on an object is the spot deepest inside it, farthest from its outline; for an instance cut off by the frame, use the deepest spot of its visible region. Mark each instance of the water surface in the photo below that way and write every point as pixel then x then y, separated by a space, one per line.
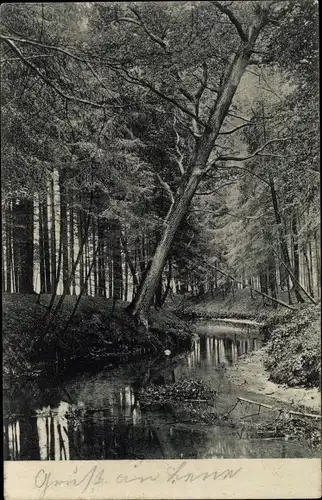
pixel 98 416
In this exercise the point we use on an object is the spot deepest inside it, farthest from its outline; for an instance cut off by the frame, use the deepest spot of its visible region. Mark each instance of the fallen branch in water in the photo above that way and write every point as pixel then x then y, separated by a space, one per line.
pixel 291 412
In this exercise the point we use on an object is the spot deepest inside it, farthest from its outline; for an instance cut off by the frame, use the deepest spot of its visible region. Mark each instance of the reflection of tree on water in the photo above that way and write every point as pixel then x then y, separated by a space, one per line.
pixel 12 440
pixel 217 351
pixel 53 432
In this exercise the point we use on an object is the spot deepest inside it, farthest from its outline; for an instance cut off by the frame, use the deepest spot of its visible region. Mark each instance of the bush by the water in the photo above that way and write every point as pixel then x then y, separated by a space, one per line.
pixel 293 354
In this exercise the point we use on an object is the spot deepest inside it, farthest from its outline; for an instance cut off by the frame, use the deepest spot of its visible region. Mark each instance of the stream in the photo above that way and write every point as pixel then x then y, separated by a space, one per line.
pixel 98 416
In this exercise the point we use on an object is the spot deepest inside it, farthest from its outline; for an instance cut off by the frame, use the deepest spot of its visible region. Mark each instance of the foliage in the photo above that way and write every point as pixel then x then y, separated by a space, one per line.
pixel 294 349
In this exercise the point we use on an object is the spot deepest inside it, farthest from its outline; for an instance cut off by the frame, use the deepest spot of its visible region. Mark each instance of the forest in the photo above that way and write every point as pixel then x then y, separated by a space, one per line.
pixel 157 154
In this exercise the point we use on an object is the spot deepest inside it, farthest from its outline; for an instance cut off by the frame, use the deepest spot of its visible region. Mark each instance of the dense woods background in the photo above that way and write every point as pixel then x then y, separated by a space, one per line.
pixel 107 109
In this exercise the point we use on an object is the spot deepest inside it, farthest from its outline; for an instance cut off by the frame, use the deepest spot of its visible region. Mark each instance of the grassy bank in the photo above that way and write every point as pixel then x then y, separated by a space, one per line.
pixel 97 335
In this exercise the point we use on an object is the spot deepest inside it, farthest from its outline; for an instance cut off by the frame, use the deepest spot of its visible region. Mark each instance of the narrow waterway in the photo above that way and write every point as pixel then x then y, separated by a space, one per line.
pixel 98 416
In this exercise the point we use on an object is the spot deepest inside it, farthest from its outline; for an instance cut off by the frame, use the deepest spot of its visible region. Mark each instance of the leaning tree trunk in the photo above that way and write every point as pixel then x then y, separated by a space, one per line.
pixel 195 171
pixel 142 301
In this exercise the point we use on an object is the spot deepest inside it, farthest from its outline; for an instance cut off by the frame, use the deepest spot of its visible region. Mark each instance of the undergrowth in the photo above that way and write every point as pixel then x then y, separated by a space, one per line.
pixel 97 335
pixel 293 355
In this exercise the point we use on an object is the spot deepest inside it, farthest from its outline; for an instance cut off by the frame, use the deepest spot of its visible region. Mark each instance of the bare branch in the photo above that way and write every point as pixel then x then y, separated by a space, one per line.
pixel 179 153
pixel 238 116
pixel 227 132
pixel 148 85
pixel 56 49
pixel 50 83
pixel 220 167
pixel 203 81
pixel 166 187
pixel 233 19
pixel 255 153
pixel 153 37
pixel 42 45
pixel 204 193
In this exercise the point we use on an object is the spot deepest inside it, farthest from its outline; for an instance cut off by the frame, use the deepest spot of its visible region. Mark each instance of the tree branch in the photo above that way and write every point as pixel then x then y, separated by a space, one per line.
pixel 166 187
pixel 49 82
pixel 233 19
pixel 56 49
pixel 179 153
pixel 255 153
pixel 153 37
pixel 227 132
pixel 148 85
pixel 245 170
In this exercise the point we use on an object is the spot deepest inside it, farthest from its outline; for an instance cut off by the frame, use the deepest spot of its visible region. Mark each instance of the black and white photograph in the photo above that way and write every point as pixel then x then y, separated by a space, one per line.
pixel 161 271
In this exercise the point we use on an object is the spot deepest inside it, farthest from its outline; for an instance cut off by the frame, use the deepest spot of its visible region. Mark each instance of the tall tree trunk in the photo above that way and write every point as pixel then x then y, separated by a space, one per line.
pixel 126 280
pixel 46 245
pixel 296 256
pixel 311 265
pixel 80 239
pixel 117 261
pixel 308 269
pixel 86 264
pixel 263 282
pixel 9 247
pixel 110 266
pixel 283 277
pixel 128 261
pixel 24 243
pixel 272 279
pixel 94 260
pixel 143 299
pixel 53 230
pixel 63 216
pixel 317 262
pixel 72 239
pixel 101 273
pixel 4 243
pixel 41 250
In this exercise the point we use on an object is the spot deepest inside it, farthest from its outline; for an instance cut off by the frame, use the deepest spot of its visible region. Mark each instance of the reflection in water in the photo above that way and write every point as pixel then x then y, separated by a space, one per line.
pixel 64 431
pixel 103 419
pixel 52 429
pixel 212 351
pixel 12 439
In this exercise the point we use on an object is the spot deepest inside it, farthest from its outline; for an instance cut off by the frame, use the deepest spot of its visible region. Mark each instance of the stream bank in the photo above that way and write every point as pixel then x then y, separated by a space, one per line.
pixel 100 334
pixel 165 407
pixel 249 372
pixel 293 354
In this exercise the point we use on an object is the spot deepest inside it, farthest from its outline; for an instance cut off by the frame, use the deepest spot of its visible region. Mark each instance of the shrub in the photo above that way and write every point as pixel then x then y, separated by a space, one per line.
pixel 293 352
